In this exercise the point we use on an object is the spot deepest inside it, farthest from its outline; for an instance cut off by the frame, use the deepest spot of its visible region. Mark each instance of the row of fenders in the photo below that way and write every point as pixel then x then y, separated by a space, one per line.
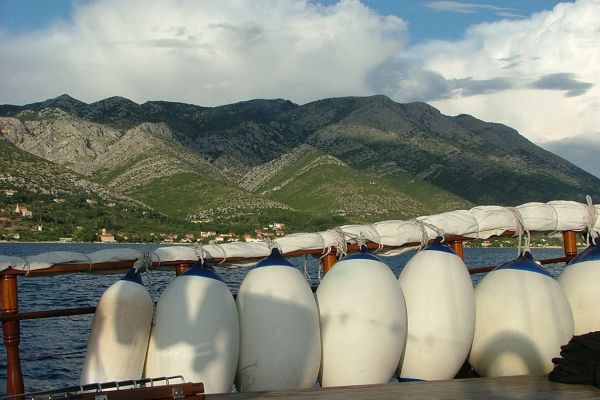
pixel 361 327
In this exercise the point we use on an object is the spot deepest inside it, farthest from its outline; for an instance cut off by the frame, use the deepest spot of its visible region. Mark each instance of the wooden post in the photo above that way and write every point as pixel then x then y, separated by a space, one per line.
pixel 328 261
pixel 570 243
pixel 180 269
pixel 457 246
pixel 9 304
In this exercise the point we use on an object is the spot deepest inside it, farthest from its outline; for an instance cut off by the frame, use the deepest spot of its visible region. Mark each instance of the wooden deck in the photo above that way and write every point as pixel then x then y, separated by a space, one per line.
pixel 519 387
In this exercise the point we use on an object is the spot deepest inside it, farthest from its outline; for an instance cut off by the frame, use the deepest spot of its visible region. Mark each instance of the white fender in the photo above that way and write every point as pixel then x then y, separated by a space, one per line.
pixel 522 318
pixel 280 343
pixel 120 330
pixel 440 306
pixel 580 281
pixel 363 322
pixel 196 331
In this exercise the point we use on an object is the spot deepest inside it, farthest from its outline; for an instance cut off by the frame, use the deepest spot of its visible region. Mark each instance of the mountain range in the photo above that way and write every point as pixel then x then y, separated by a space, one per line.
pixel 358 158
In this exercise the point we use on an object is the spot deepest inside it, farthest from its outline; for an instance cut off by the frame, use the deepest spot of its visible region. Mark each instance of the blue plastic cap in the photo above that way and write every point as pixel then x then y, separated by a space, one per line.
pixel 133 276
pixel 203 269
pixel 274 259
pixel 592 253
pixel 363 255
pixel 438 245
pixel 524 263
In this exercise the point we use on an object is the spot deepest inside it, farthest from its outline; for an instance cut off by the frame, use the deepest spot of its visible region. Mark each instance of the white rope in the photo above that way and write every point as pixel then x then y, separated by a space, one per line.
pixel 222 250
pixel 272 244
pixel 591 220
pixel 89 262
pixel 422 225
pixel 199 251
pixel 519 230
pixel 28 266
pixel 320 271
pixel 306 274
pixel 143 265
pixel 341 243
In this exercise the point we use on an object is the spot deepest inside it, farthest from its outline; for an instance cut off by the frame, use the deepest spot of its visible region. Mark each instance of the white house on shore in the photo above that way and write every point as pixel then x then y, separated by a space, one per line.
pixel 106 237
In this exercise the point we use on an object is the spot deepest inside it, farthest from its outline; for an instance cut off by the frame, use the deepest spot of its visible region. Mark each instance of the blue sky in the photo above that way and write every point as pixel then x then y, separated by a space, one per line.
pixel 426 19
pixel 530 64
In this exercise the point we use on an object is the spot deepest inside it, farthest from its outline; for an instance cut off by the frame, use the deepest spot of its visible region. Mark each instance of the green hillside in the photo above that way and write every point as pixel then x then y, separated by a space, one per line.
pixel 319 183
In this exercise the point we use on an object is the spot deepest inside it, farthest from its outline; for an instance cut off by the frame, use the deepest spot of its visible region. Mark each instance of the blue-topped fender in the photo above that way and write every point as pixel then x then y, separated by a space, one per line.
pixel 133 275
pixel 592 253
pixel 401 379
pixel 524 263
pixel 275 259
pixel 438 245
pixel 202 269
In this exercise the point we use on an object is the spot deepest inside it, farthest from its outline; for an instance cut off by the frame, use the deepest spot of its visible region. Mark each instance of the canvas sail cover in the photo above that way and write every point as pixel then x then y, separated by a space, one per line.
pixel 394 236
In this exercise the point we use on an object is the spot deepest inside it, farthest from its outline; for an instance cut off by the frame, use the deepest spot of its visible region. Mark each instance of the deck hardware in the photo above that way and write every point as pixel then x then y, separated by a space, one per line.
pixel 178 393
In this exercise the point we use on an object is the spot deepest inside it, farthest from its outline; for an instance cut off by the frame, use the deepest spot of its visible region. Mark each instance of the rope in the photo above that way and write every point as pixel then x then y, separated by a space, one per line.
pixel 520 229
pixel 89 261
pixel 143 264
pixel 341 243
pixel 28 266
pixel 592 213
pixel 306 274
pixel 272 244
pixel 422 225
pixel 199 251
pixel 320 271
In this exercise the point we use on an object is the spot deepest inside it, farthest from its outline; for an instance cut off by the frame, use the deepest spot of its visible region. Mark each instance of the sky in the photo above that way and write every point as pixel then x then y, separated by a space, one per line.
pixel 531 64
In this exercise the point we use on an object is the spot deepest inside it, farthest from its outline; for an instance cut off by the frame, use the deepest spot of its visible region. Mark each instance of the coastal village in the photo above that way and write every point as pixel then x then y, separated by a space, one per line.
pixel 18 212
pixel 11 215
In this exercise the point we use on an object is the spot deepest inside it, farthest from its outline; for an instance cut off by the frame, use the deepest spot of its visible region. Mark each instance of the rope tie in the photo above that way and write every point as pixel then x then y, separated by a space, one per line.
pixel 422 225
pixel 28 266
pixel 222 250
pixel 272 244
pixel 143 265
pixel 592 213
pixel 89 263
pixel 341 243
pixel 199 251
pixel 520 229
pixel 361 240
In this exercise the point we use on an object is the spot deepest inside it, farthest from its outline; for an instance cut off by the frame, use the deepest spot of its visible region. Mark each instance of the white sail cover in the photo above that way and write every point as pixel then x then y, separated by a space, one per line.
pixel 397 236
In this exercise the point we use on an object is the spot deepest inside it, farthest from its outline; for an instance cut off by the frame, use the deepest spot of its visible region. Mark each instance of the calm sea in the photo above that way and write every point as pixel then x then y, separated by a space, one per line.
pixel 52 350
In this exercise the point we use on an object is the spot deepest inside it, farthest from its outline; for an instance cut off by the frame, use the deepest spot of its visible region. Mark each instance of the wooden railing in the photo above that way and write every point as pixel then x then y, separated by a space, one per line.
pixel 10 316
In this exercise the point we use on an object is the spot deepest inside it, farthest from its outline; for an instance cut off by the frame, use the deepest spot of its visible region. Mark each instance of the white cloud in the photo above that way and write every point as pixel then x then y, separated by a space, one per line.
pixel 539 75
pixel 580 150
pixel 204 52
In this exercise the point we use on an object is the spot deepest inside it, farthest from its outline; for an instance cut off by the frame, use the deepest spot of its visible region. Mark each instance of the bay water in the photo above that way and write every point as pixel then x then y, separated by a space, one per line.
pixel 52 350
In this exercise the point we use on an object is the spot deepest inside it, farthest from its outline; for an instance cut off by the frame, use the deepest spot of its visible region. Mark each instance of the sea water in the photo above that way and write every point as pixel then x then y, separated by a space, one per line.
pixel 52 350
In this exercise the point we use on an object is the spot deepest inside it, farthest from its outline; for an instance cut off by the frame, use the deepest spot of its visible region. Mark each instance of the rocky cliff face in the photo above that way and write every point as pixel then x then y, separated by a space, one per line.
pixel 268 149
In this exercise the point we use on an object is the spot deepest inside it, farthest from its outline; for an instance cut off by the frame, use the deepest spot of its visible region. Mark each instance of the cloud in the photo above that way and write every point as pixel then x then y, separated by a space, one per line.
pixel 564 82
pixel 581 150
pixel 408 82
pixel 535 74
pixel 470 8
pixel 206 52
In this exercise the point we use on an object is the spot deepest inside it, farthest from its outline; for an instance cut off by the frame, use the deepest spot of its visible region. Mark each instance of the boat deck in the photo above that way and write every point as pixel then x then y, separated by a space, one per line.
pixel 515 387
